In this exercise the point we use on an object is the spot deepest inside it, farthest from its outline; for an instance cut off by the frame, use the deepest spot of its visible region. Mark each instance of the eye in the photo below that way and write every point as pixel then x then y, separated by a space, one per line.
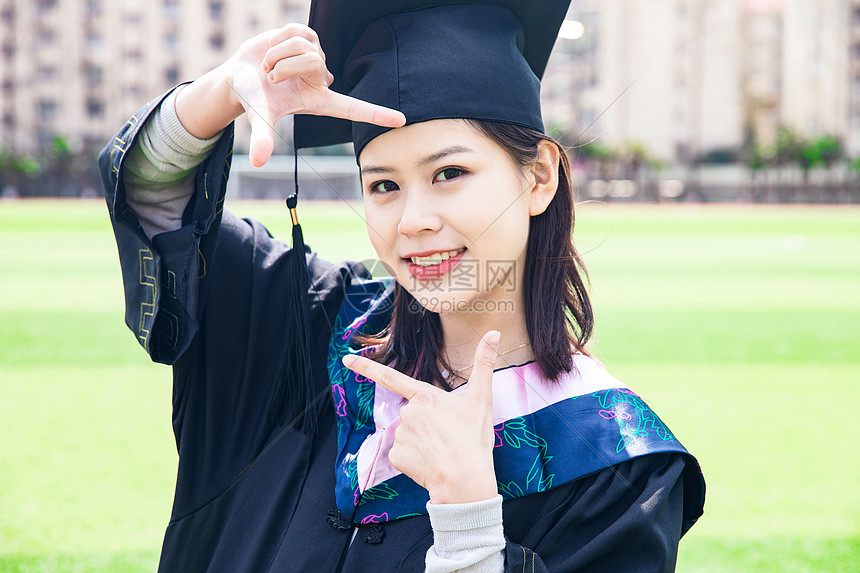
pixel 449 173
pixel 383 187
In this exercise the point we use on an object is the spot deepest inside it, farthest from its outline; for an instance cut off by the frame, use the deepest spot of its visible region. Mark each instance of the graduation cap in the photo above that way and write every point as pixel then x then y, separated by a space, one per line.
pixel 433 59
pixel 429 59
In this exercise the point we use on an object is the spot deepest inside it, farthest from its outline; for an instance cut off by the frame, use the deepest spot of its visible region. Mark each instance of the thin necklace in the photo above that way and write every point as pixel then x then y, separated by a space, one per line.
pixel 449 375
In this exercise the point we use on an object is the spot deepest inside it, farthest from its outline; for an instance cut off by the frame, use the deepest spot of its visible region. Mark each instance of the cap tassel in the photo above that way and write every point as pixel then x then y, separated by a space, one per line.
pixel 294 391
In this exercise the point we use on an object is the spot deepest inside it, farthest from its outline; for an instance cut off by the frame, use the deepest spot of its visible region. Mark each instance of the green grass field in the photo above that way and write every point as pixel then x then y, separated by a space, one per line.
pixel 739 324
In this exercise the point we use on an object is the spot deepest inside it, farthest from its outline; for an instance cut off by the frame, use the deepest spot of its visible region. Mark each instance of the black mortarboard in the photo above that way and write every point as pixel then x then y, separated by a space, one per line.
pixel 433 59
pixel 429 59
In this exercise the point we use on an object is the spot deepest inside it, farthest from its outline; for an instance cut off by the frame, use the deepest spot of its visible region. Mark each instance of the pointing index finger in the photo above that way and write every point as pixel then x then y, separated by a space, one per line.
pixel 385 376
pixel 346 107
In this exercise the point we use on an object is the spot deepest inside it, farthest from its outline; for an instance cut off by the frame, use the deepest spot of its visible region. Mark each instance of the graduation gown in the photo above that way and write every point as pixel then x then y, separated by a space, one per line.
pixel 591 482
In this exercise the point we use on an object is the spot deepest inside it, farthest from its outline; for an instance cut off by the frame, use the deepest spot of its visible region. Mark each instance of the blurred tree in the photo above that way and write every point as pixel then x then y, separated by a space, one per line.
pixel 61 161
pixel 599 158
pixel 594 150
pixel 823 152
pixel 788 146
pixel 16 171
pixel 642 166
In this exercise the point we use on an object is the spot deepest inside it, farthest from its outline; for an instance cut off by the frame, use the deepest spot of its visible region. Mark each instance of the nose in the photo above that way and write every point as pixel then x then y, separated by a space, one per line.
pixel 418 215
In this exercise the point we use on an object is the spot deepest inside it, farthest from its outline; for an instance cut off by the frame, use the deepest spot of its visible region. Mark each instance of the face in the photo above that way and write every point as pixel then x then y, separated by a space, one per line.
pixel 448 214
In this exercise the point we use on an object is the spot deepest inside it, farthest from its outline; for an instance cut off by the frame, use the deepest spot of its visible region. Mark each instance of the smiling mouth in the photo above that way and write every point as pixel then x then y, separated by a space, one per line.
pixel 436 258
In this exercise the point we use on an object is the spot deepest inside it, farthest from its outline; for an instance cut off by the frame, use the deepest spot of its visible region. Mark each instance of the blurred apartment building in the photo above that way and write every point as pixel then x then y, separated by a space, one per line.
pixel 682 77
pixel 691 77
pixel 80 68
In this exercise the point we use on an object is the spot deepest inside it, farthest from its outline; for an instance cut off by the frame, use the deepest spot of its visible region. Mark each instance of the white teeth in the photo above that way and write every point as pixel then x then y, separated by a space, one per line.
pixel 435 258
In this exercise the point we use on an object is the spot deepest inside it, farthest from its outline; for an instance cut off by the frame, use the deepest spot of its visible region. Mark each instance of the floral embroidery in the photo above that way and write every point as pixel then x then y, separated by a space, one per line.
pixel 381 491
pixel 339 397
pixel 352 474
pixel 514 433
pixel 617 403
pixel 365 391
pixel 510 490
pixel 498 431
pixel 353 328
pixel 381 518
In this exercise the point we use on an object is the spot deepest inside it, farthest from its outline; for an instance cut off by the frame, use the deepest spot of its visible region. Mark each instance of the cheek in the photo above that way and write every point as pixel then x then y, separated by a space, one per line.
pixel 506 221
pixel 379 230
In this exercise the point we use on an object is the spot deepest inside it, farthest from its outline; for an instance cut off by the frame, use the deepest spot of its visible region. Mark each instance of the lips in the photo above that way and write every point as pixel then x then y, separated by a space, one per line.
pixel 428 268
pixel 434 258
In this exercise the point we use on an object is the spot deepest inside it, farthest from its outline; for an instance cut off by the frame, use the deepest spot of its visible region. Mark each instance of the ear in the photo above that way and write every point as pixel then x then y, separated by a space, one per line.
pixel 545 174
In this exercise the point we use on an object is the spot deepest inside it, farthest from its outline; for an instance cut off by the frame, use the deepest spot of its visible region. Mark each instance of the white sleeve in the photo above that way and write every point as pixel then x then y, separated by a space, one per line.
pixel 159 169
pixel 467 537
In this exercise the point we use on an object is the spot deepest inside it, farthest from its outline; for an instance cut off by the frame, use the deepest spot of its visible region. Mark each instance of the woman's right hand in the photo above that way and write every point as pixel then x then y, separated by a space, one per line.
pixel 274 74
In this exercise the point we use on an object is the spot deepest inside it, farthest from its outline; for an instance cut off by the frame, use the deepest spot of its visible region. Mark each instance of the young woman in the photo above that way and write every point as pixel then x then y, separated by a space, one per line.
pixel 468 429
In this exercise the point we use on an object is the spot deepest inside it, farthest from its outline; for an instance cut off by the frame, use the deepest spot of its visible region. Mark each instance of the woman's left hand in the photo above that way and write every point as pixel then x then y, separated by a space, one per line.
pixel 445 439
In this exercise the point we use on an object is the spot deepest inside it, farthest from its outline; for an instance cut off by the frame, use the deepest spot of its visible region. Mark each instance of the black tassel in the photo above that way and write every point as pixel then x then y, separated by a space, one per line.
pixel 293 395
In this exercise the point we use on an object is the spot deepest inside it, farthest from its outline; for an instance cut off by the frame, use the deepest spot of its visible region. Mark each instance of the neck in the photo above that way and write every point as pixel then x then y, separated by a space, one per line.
pixel 462 331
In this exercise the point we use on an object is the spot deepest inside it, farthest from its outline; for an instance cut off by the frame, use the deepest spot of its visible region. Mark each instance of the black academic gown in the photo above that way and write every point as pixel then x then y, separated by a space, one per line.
pixel 252 496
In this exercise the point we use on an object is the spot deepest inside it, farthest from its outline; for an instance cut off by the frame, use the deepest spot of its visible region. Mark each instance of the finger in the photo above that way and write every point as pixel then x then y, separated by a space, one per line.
pixel 385 376
pixel 294 30
pixel 481 380
pixel 346 107
pixel 262 137
pixel 290 48
pixel 308 66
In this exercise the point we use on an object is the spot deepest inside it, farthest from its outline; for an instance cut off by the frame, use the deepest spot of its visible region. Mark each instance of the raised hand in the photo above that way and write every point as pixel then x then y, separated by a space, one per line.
pixel 445 439
pixel 274 74
pixel 286 74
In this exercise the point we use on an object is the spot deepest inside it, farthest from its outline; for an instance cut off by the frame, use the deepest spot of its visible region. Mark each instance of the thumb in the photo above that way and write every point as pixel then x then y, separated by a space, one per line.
pixel 481 380
pixel 262 137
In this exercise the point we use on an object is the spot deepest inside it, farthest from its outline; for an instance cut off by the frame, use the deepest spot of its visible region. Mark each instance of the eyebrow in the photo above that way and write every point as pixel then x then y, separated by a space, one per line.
pixel 452 150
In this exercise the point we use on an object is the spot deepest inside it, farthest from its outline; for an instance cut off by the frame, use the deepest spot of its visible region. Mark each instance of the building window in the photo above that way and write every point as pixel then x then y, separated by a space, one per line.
pixel 47 109
pixel 94 40
pixel 95 108
pixel 8 14
pixel 134 92
pixel 171 75
pixel 8 87
pixel 93 75
pixel 132 18
pixel 171 8
pixel 9 120
pixel 171 41
pixel 216 9
pixel 134 55
pixel 45 6
pixel 46 74
pixel 93 7
pixel 45 36
pixel 8 50
pixel 216 41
